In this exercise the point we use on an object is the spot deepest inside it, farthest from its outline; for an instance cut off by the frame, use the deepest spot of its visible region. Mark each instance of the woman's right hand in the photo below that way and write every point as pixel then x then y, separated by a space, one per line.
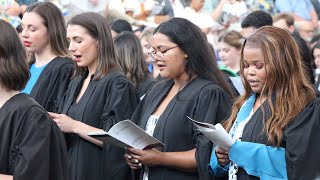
pixel 222 156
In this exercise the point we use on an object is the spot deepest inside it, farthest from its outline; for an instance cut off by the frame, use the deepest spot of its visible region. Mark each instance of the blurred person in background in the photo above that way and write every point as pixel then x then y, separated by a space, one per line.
pixel 10 11
pixel 79 6
pixel 130 57
pixel 284 21
pixel 229 50
pixel 145 39
pixel 255 20
pixel 316 60
pixel 301 10
pixel 119 26
pixel 24 4
pixel 306 30
pixel 193 12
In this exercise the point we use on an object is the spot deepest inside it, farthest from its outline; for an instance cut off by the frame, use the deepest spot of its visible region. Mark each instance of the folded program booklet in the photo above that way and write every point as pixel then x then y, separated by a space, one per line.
pixel 127 134
pixel 216 133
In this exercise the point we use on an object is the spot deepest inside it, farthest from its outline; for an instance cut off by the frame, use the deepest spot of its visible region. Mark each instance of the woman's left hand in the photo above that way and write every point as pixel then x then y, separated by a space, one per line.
pixel 150 157
pixel 65 123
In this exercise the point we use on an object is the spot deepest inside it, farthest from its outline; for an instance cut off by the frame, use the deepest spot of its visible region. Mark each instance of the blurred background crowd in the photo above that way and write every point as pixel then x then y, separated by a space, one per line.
pixel 221 20
pixel 121 52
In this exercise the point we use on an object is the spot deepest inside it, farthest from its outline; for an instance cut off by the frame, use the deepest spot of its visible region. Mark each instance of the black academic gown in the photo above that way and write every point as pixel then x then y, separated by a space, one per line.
pixel 233 88
pixel 300 140
pixel 31 144
pixel 53 83
pixel 200 99
pixel 145 85
pixel 305 54
pixel 104 103
pixel 317 83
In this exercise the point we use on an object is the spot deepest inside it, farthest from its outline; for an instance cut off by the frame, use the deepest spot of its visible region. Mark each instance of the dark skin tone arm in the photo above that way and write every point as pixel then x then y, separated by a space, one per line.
pixel 184 160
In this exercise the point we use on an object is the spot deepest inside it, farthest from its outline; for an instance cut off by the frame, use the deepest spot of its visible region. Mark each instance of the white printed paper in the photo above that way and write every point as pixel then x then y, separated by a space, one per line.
pixel 127 134
pixel 216 133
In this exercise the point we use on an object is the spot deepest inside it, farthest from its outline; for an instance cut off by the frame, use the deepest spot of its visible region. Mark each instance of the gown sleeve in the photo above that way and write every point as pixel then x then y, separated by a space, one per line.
pixel 120 104
pixel 63 81
pixel 213 107
pixel 39 151
pixel 52 84
pixel 302 144
pixel 138 112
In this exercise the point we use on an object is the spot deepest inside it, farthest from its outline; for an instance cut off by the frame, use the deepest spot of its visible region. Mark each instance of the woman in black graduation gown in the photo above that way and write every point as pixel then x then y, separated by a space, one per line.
pixel 130 57
pixel 98 97
pixel 276 122
pixel 31 144
pixel 194 87
pixel 44 36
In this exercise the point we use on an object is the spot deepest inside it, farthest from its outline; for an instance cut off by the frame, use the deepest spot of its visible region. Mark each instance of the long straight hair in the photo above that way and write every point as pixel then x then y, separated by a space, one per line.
pixel 130 57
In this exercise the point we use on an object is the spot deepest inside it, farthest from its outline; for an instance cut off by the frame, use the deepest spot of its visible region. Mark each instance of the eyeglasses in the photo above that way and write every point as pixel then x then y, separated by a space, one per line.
pixel 154 54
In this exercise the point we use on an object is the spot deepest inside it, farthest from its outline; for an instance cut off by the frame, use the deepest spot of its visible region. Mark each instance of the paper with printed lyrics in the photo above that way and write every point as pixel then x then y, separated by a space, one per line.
pixel 127 134
pixel 216 133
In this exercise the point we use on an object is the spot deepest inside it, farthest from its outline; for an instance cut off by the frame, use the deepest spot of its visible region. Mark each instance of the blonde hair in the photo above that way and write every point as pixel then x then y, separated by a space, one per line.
pixel 147 34
pixel 232 38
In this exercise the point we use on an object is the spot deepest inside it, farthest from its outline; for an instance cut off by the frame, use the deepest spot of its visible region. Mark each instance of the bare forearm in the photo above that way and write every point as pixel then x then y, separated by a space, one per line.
pixel 14 10
pixel 185 160
pixel 217 12
pixel 83 129
pixel 205 30
pixel 6 177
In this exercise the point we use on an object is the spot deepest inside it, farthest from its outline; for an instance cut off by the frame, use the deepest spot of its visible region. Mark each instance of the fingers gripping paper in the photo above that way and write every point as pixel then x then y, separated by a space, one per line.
pixel 127 134
pixel 216 133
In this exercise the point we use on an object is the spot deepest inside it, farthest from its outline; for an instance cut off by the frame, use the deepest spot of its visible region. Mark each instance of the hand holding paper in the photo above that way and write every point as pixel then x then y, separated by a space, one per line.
pixel 127 134
pixel 216 133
